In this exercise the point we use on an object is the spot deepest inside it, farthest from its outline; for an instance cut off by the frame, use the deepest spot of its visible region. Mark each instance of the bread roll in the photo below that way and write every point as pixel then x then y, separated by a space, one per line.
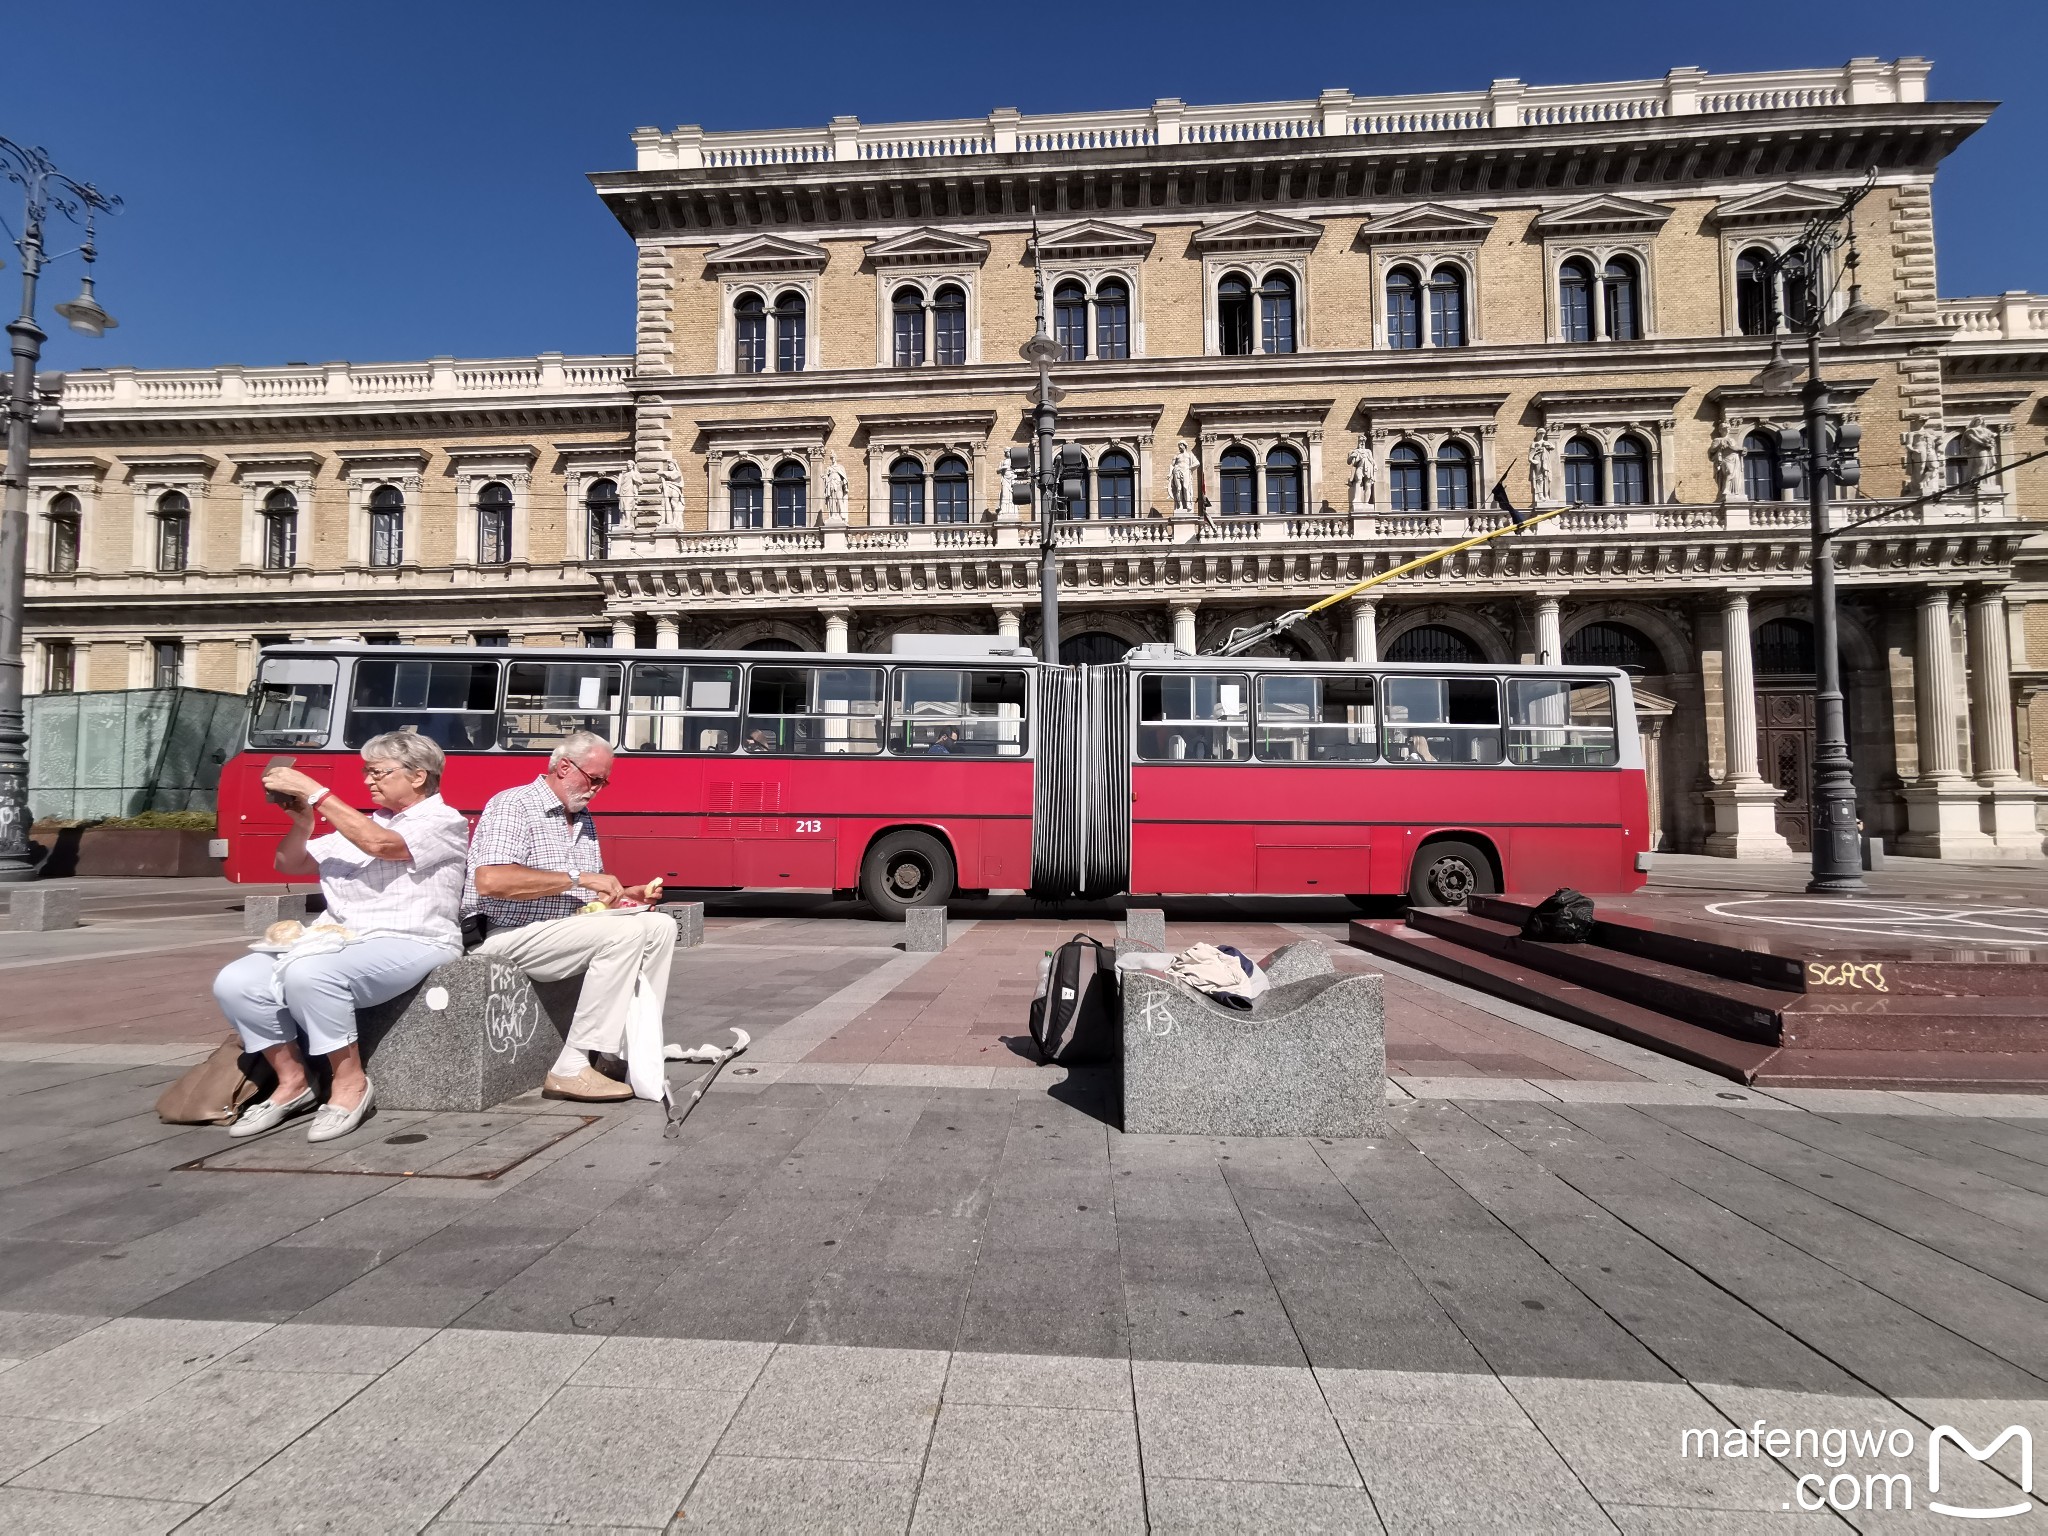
pixel 286 932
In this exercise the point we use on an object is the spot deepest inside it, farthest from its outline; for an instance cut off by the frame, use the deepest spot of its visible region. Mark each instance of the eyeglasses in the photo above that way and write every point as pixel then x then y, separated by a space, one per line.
pixel 374 775
pixel 597 780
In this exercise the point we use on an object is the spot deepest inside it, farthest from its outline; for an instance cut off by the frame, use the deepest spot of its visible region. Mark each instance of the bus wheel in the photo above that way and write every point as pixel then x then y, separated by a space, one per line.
pixel 906 869
pixel 1448 874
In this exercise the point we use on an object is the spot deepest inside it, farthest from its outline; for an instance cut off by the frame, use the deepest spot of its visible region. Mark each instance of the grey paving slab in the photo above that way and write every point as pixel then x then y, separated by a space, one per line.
pixel 1443 1477
pixel 116 1368
pixel 1636 1520
pixel 686 1365
pixel 340 1348
pixel 471 1386
pixel 196 1440
pixel 1039 1381
pixel 881 1308
pixel 1421 1397
pixel 1015 1469
pixel 1013 1308
pixel 769 1496
pixel 25 1442
pixel 824 1401
pixel 269 1285
pixel 1238 1423
pixel 1181 1506
pixel 86 1514
pixel 347 1478
pixel 24 1335
pixel 598 1456
pixel 1842 1137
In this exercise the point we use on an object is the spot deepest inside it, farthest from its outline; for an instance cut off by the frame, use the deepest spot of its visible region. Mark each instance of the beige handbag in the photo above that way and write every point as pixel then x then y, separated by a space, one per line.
pixel 213 1092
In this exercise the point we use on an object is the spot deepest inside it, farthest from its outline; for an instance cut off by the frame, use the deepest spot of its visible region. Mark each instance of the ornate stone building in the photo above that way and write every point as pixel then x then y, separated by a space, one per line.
pixel 1346 320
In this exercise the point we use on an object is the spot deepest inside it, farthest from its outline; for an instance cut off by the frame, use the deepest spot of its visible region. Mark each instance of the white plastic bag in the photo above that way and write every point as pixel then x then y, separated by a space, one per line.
pixel 644 1069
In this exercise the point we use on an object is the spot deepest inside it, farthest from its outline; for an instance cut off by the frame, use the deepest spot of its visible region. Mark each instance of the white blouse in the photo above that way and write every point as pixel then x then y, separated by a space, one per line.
pixel 417 898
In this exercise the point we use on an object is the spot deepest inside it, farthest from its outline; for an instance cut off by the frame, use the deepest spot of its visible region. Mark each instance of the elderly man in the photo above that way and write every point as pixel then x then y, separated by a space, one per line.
pixel 533 866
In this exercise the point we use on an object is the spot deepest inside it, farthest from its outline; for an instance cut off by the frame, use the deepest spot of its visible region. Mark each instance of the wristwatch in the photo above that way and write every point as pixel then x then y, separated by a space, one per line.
pixel 317 796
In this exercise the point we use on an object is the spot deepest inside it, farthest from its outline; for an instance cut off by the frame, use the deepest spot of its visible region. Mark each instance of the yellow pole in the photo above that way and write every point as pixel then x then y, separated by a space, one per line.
pixel 1415 565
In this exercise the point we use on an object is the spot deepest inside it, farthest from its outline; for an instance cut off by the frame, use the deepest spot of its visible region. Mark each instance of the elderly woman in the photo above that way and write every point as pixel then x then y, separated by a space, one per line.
pixel 393 880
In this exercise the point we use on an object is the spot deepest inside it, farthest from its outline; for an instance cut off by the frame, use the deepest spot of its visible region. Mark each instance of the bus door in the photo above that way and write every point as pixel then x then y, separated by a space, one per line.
pixel 682 736
pixel 1195 791
pixel 1316 738
pixel 778 801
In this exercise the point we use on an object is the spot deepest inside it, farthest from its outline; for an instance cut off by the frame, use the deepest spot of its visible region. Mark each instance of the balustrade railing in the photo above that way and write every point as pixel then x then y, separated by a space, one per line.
pixel 298 383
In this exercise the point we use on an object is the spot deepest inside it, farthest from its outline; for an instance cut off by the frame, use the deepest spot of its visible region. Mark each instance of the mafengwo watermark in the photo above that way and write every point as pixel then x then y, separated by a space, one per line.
pixel 1877 1468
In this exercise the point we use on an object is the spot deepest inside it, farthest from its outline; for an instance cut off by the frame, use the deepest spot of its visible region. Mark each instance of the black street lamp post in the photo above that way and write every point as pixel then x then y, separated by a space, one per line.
pixel 32 407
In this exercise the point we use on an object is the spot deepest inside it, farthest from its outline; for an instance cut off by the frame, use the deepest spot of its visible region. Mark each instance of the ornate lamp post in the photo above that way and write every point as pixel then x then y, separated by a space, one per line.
pixel 31 407
pixel 1826 449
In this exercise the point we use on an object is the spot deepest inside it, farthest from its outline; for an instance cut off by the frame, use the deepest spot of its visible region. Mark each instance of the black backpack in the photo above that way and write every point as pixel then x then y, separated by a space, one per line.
pixel 1563 917
pixel 1074 1016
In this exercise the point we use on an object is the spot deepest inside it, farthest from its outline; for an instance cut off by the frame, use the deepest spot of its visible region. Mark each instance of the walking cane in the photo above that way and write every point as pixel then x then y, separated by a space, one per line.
pixel 718 1058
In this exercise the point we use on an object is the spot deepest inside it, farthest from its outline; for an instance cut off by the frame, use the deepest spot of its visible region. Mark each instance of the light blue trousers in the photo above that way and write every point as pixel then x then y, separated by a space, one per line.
pixel 321 993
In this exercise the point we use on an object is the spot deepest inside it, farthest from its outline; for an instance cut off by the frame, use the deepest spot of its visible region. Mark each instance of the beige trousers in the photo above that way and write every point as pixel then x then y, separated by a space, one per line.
pixel 610 949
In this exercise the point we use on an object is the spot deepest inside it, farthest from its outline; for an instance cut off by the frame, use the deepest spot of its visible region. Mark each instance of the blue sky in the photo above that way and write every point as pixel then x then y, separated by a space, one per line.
pixel 374 180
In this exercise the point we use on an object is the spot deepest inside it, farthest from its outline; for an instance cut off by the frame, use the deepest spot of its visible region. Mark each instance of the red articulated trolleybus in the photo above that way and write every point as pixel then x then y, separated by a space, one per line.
pixel 911 776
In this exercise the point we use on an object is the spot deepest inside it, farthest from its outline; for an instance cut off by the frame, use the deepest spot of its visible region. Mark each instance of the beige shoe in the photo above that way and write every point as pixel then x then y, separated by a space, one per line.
pixel 588 1086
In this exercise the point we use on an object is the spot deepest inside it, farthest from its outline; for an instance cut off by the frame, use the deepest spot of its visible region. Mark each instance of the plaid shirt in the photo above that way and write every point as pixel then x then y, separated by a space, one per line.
pixel 530 827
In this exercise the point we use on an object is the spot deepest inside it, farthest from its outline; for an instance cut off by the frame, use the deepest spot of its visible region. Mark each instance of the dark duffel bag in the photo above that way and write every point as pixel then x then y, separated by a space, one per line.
pixel 1074 1016
pixel 1562 917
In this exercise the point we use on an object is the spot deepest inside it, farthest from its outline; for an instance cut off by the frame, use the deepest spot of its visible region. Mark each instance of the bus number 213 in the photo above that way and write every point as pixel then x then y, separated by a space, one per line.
pixel 810 826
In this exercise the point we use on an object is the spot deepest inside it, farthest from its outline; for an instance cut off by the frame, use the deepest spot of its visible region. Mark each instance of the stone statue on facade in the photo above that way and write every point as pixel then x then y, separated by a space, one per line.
pixel 1980 456
pixel 1925 465
pixel 628 482
pixel 1364 475
pixel 1181 476
pixel 1004 481
pixel 670 483
pixel 1725 454
pixel 835 493
pixel 1543 469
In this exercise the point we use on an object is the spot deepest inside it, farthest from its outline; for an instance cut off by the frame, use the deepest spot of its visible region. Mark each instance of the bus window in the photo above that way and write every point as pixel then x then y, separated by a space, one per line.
pixel 676 708
pixel 1316 719
pixel 546 700
pixel 1442 720
pixel 1560 720
pixel 454 703
pixel 941 712
pixel 1194 716
pixel 813 711
pixel 294 703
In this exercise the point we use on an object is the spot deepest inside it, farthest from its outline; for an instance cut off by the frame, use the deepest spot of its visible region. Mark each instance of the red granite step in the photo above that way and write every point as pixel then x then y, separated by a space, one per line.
pixel 1918 1071
pixel 1707 1048
pixel 1841 1021
pixel 1671 943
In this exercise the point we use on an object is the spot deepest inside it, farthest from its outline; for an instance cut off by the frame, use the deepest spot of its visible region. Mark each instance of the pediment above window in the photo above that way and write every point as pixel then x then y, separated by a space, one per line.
pixel 1746 402
pixel 926 428
pixel 1417 413
pixel 1603 214
pixel 1095 239
pixel 1607 407
pixel 1432 222
pixel 1789 203
pixel 766 253
pixel 929 248
pixel 785 435
pixel 1257 232
pixel 1100 423
pixel 1238 418
pixel 276 466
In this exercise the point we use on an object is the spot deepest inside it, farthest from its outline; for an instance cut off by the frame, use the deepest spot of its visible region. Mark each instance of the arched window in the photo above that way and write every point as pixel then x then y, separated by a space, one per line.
pixel 1283 482
pixel 1404 309
pixel 1753 292
pixel 280 530
pixel 173 531
pixel 1070 320
pixel 1783 648
pixel 1613 645
pixel 1582 472
pixel 494 525
pixel 1276 313
pixel 743 488
pixel 906 491
pixel 908 309
pixel 792 495
pixel 1434 645
pixel 600 515
pixel 1447 307
pixel 1112 319
pixel 1405 479
pixel 1628 472
pixel 1092 648
pixel 1234 315
pixel 749 334
pixel 1761 478
pixel 952 491
pixel 1956 461
pixel 1237 482
pixel 1796 291
pixel 64 525
pixel 1453 477
pixel 387 526
pixel 949 326
pixel 1622 298
pixel 790 341
pixel 1575 301
pixel 1116 485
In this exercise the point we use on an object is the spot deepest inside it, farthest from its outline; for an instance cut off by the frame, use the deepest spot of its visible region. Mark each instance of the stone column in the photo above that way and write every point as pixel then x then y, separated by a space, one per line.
pixel 667 632
pixel 622 632
pixel 1943 819
pixel 2009 800
pixel 1549 631
pixel 1365 629
pixel 1009 625
pixel 835 629
pixel 1184 626
pixel 1745 807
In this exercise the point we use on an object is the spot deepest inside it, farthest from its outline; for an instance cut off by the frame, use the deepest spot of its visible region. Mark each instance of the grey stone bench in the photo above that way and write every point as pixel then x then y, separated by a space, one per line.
pixel 1308 1059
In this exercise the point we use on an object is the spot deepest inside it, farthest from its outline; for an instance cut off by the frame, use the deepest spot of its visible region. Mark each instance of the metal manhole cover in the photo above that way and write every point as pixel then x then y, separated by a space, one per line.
pixel 426 1146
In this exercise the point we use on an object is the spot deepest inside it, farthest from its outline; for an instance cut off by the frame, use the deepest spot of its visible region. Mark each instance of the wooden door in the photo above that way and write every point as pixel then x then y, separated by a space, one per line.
pixel 1784 723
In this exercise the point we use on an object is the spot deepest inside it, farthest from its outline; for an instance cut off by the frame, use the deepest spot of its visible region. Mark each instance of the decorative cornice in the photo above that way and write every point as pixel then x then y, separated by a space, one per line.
pixel 1213 416
pixel 767 253
pixel 926 426
pixel 1559 406
pixel 261 464
pixel 929 247
pixel 1115 419
pixel 493 455
pixel 1785 204
pixel 1985 402
pixel 1603 213
pixel 198 464
pixel 1262 230
pixel 1388 412
pixel 1096 238
pixel 784 431
pixel 1749 400
pixel 1426 221
pixel 365 462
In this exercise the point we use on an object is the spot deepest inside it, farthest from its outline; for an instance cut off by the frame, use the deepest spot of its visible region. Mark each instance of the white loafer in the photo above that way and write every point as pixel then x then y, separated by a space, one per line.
pixel 333 1122
pixel 270 1114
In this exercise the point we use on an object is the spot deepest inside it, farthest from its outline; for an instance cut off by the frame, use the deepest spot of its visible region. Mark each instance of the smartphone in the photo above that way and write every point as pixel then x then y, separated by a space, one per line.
pixel 273 796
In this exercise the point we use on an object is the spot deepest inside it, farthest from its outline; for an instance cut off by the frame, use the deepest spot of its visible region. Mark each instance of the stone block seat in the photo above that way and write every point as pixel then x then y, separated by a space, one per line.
pixel 1308 1059
pixel 475 1033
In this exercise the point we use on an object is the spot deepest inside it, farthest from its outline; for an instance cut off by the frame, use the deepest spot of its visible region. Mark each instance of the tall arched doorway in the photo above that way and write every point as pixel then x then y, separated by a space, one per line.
pixel 771 643
pixel 1092 648
pixel 1783 651
pixel 1434 645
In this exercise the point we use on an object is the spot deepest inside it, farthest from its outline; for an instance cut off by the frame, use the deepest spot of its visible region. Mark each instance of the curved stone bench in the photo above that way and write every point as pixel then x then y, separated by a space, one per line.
pixel 1308 1059
pixel 491 1038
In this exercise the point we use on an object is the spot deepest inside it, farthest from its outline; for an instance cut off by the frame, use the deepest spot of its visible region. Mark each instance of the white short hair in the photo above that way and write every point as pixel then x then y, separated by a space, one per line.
pixel 576 746
pixel 411 751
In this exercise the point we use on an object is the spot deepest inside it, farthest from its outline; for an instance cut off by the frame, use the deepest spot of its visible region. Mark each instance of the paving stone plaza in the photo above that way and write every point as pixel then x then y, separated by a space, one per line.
pixel 894 1276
